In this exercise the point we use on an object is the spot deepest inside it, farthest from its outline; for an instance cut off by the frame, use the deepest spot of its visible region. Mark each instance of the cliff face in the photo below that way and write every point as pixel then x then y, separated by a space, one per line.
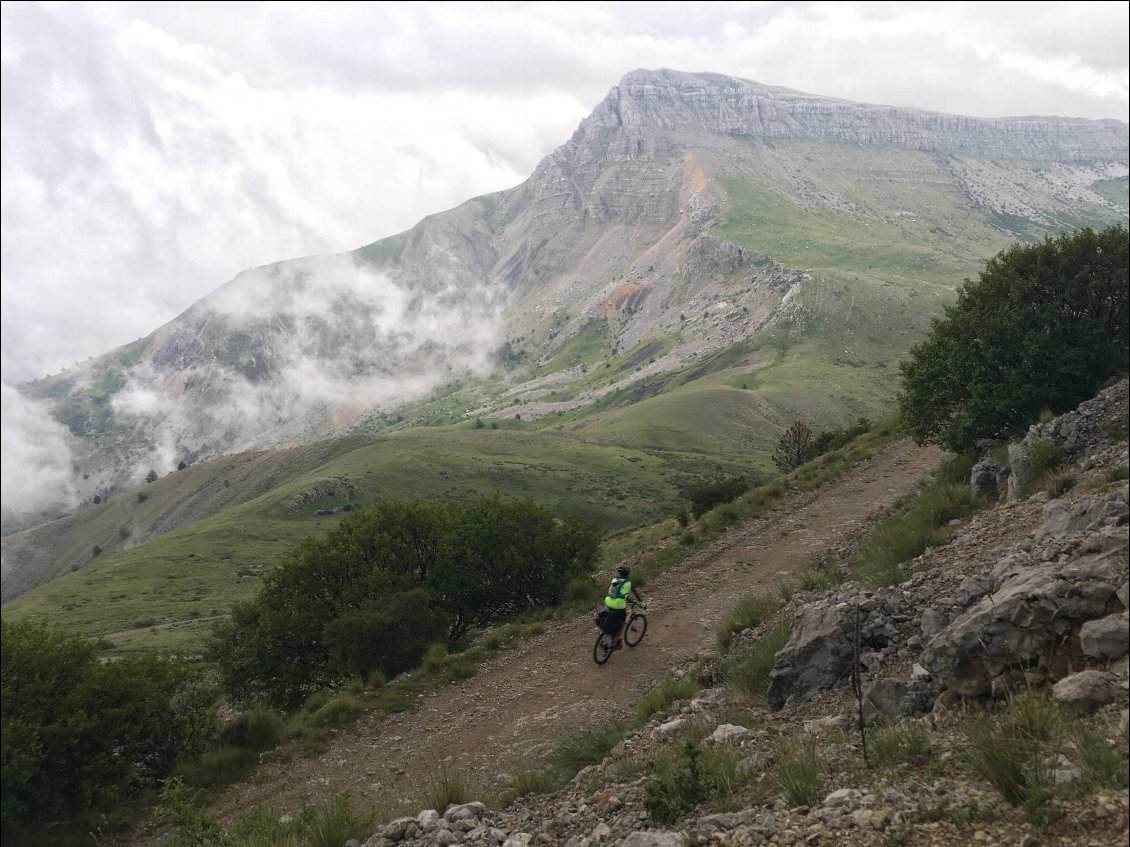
pixel 718 105
pixel 712 198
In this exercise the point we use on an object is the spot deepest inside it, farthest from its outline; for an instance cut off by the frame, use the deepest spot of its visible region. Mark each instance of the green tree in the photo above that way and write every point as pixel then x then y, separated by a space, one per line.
pixel 474 564
pixel 795 447
pixel 704 495
pixel 81 734
pixel 1042 327
pixel 391 634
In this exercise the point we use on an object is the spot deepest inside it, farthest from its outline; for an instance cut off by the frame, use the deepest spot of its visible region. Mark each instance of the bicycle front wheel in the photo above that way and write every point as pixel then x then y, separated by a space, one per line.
pixel 602 649
pixel 637 628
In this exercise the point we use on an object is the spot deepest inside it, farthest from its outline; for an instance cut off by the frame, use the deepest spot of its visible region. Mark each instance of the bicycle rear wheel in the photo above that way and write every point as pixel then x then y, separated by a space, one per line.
pixel 602 649
pixel 636 629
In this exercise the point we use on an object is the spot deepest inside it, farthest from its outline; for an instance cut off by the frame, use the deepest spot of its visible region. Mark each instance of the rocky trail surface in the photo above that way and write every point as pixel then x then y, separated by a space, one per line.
pixel 523 702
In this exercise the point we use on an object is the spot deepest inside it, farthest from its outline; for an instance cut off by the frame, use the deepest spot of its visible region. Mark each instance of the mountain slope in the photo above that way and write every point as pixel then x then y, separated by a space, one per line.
pixel 695 232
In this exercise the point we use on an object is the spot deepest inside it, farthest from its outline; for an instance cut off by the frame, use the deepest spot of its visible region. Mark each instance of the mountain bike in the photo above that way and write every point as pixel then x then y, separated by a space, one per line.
pixel 635 628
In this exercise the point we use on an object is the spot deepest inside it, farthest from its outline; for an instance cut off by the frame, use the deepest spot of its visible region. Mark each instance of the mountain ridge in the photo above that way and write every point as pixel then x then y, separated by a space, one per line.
pixel 635 259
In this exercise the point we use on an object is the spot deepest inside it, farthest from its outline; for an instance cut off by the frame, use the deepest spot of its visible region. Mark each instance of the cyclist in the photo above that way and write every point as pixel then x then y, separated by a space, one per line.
pixel 616 601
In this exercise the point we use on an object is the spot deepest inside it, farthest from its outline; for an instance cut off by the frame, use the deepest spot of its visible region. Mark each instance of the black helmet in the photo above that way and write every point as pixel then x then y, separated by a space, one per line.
pixel 623 571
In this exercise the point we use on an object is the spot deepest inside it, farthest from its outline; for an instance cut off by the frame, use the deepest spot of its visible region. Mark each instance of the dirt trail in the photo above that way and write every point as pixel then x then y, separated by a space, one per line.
pixel 523 702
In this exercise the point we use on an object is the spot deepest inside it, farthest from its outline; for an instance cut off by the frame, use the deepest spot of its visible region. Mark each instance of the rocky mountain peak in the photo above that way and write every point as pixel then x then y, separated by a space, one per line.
pixel 704 103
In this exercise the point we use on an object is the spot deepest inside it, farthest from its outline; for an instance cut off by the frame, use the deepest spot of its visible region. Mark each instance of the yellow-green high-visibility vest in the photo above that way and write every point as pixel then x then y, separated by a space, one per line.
pixel 618 591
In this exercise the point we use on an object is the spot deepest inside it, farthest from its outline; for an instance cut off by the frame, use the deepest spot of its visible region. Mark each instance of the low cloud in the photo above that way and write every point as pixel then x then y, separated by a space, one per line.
pixel 38 476
pixel 319 343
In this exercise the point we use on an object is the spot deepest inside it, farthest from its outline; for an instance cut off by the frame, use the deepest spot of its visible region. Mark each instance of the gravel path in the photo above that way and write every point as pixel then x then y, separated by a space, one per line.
pixel 521 703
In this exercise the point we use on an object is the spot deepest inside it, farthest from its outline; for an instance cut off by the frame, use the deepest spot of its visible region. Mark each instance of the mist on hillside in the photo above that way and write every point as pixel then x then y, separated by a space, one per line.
pixel 37 473
pixel 281 354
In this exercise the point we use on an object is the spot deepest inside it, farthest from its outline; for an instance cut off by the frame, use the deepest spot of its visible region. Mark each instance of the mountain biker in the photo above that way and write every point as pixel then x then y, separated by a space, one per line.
pixel 616 602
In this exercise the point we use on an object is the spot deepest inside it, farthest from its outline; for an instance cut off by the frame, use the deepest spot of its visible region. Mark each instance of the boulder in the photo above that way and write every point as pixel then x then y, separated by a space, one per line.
pixel 1106 638
pixel 1086 691
pixel 1034 610
pixel 462 812
pixel 883 697
pixel 653 839
pixel 819 652
pixel 728 733
pixel 988 479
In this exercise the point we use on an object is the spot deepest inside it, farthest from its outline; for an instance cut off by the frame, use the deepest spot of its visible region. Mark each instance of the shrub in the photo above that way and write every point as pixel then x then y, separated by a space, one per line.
pixel 582 590
pixel 390 634
pixel 218 767
pixel 797 773
pixel 1117 474
pixel 1103 763
pixel 1058 484
pixel 705 495
pixel 795 447
pixel 78 733
pixel 834 439
pixel 259 728
pixel 988 368
pixel 337 711
pixel 333 823
pixel 479 564
pixel 586 747
pixel 447 786
pixel 747 673
pixel 1044 456
pixel 534 781
pixel 747 613
pixel 921 523
pixel 1010 749
pixel 673 791
pixel 663 695
pixel 898 743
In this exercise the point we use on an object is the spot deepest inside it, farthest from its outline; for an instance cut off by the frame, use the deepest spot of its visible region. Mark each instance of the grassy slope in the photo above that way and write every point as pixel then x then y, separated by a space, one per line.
pixel 880 268
pixel 197 572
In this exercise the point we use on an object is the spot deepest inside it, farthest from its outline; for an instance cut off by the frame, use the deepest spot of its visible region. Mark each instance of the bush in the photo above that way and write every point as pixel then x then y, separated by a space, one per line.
pixel 1010 749
pixel 834 439
pixel 1044 457
pixel 705 495
pixel 747 673
pixel 259 728
pixel 1103 763
pixel 534 781
pixel 747 613
pixel 390 634
pixel 795 447
pixel 478 564
pixel 218 767
pixel 663 695
pixel 923 522
pixel 674 791
pixel 333 823
pixel 447 786
pixel 1058 484
pixel 586 747
pixel 898 743
pixel 798 773
pixel 78 734
pixel 337 711
pixel 683 779
pixel 988 368
pixel 582 590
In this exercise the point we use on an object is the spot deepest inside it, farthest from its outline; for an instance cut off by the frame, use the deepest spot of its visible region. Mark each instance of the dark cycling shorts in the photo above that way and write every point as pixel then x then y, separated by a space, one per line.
pixel 613 620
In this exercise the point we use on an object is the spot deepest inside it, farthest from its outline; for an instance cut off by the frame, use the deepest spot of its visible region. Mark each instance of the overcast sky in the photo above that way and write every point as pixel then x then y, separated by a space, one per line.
pixel 153 150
